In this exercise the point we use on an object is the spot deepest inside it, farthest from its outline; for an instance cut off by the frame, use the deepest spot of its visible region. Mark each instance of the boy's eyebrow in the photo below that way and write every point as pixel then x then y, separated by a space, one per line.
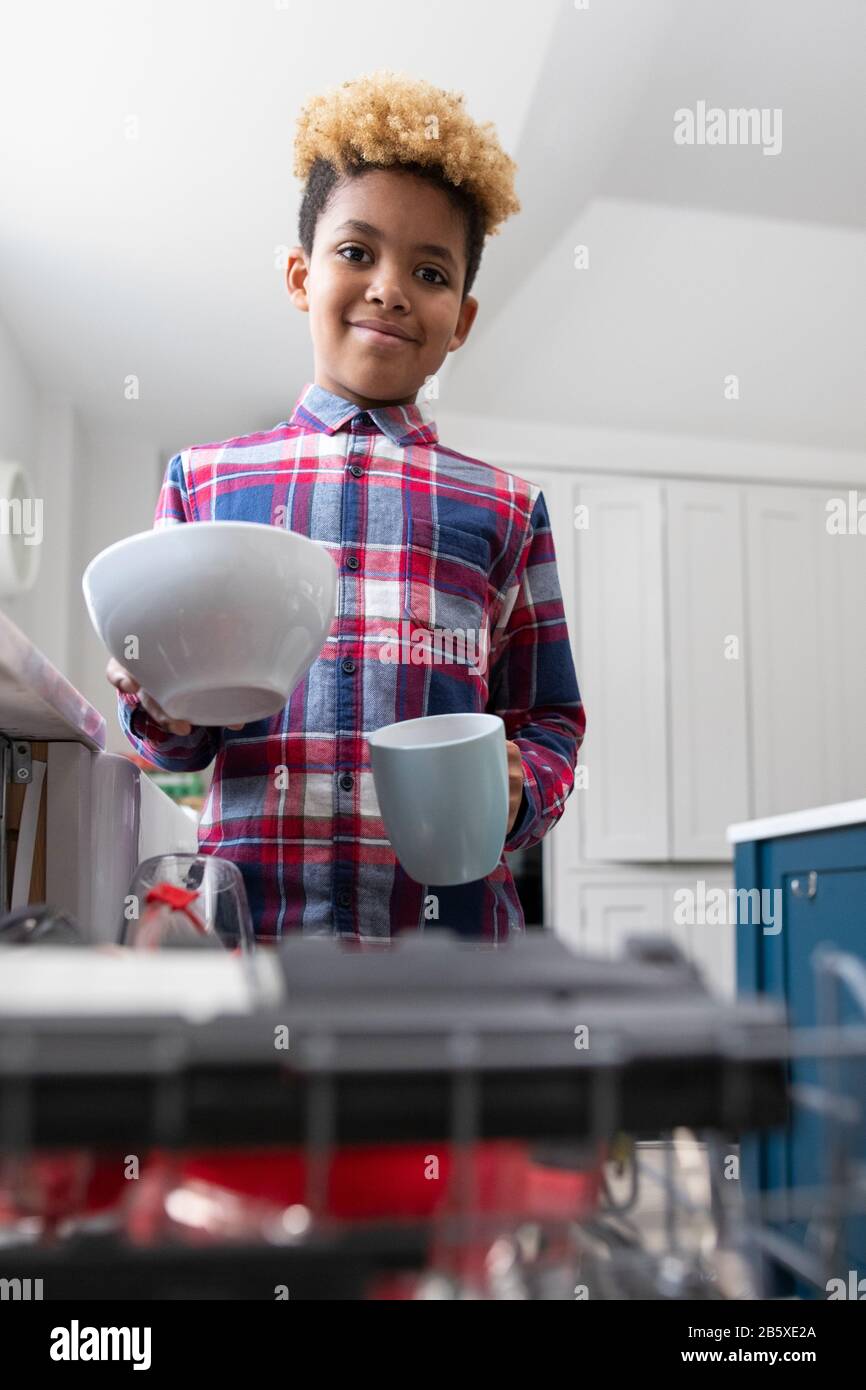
pixel 367 229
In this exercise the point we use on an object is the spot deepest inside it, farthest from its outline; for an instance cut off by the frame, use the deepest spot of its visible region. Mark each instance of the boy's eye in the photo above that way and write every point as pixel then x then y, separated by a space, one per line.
pixel 344 254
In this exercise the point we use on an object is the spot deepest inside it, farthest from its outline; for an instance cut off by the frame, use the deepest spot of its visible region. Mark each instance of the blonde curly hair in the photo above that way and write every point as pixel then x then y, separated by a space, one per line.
pixel 385 117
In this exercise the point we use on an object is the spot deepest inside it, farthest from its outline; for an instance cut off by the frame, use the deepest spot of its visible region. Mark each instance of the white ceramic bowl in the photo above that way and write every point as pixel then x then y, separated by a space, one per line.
pixel 227 617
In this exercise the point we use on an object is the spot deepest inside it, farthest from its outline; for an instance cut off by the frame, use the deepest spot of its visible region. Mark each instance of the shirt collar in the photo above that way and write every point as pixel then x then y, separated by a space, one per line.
pixel 319 409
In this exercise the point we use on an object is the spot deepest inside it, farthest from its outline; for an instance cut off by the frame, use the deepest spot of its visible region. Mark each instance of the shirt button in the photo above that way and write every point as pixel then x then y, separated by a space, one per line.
pixel 356 470
pixel 344 898
pixel 348 665
pixel 353 562
pixel 347 781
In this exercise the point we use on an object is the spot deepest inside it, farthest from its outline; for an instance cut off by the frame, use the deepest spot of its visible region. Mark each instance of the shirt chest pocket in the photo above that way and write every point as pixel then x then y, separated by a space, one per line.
pixel 445 585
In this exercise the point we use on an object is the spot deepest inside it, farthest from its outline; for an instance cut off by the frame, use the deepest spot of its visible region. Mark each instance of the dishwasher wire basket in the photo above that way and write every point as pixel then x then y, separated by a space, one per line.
pixel 605 1216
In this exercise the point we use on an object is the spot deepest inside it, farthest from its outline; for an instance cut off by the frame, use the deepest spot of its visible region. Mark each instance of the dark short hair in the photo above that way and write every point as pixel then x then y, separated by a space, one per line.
pixel 324 178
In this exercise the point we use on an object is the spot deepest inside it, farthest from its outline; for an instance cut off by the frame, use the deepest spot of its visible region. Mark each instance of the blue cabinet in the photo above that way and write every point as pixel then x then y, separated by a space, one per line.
pixel 817 873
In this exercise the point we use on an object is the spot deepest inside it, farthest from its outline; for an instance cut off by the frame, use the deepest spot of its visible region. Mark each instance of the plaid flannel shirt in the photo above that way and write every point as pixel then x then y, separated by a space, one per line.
pixel 427 542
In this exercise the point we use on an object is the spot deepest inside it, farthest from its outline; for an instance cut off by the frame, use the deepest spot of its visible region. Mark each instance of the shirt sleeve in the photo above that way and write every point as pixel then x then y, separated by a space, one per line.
pixel 533 685
pixel 172 752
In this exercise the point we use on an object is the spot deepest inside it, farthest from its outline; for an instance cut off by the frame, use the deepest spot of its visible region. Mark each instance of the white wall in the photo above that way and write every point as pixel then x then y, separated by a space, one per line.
pixel 19 430
pixel 38 430
pixel 97 485
pixel 57 465
pixel 119 479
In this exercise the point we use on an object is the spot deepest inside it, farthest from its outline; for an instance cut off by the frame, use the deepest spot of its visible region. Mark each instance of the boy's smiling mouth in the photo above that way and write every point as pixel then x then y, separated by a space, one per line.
pixel 379 331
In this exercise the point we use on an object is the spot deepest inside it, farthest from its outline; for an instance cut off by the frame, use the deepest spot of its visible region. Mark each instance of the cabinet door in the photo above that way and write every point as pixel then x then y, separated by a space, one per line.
pixel 841 596
pixel 832 917
pixel 708 652
pixel 788 633
pixel 609 913
pixel 605 912
pixel 622 670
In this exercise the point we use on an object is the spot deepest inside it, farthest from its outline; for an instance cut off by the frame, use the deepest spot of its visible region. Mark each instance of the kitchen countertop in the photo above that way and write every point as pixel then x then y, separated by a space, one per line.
pixel 799 822
pixel 36 701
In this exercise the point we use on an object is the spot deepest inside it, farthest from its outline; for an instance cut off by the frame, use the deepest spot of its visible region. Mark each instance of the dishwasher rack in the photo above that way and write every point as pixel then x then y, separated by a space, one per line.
pixel 650 1216
pixel 710 1236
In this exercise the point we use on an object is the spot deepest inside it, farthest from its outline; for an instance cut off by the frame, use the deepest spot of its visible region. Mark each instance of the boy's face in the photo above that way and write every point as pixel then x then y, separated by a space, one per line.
pixel 383 271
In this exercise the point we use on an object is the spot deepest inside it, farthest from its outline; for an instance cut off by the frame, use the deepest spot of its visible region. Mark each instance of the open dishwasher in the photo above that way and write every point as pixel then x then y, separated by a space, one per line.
pixel 427 1119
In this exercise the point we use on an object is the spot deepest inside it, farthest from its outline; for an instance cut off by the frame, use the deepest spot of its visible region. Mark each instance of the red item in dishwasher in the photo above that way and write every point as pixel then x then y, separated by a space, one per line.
pixel 366 1182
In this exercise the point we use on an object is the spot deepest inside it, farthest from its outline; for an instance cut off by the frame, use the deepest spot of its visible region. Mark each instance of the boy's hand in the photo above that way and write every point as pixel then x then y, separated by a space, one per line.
pixel 123 680
pixel 515 781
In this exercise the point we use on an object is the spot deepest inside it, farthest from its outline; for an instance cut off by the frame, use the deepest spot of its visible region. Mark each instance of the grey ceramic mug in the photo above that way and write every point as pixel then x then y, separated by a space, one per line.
pixel 442 786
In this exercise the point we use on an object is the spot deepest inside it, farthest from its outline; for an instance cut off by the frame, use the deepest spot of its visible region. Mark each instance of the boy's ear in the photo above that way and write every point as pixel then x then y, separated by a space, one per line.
pixel 465 320
pixel 297 271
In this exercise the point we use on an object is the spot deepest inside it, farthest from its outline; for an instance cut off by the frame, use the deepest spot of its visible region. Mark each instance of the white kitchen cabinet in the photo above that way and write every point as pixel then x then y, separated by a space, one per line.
pixel 708 655
pixel 842 653
pixel 622 664
pixel 686 733
pixel 606 907
pixel 806 590
pixel 792 635
pixel 610 912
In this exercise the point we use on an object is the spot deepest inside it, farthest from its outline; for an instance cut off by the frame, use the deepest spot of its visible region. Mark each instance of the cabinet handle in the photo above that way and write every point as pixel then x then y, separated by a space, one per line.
pixel 805 887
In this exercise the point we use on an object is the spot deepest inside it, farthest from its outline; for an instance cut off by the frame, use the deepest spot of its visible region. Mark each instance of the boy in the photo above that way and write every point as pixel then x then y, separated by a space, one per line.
pixel 401 190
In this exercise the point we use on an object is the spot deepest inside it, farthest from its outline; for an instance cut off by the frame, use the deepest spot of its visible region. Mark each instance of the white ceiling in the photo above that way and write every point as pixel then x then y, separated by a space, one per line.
pixel 157 256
